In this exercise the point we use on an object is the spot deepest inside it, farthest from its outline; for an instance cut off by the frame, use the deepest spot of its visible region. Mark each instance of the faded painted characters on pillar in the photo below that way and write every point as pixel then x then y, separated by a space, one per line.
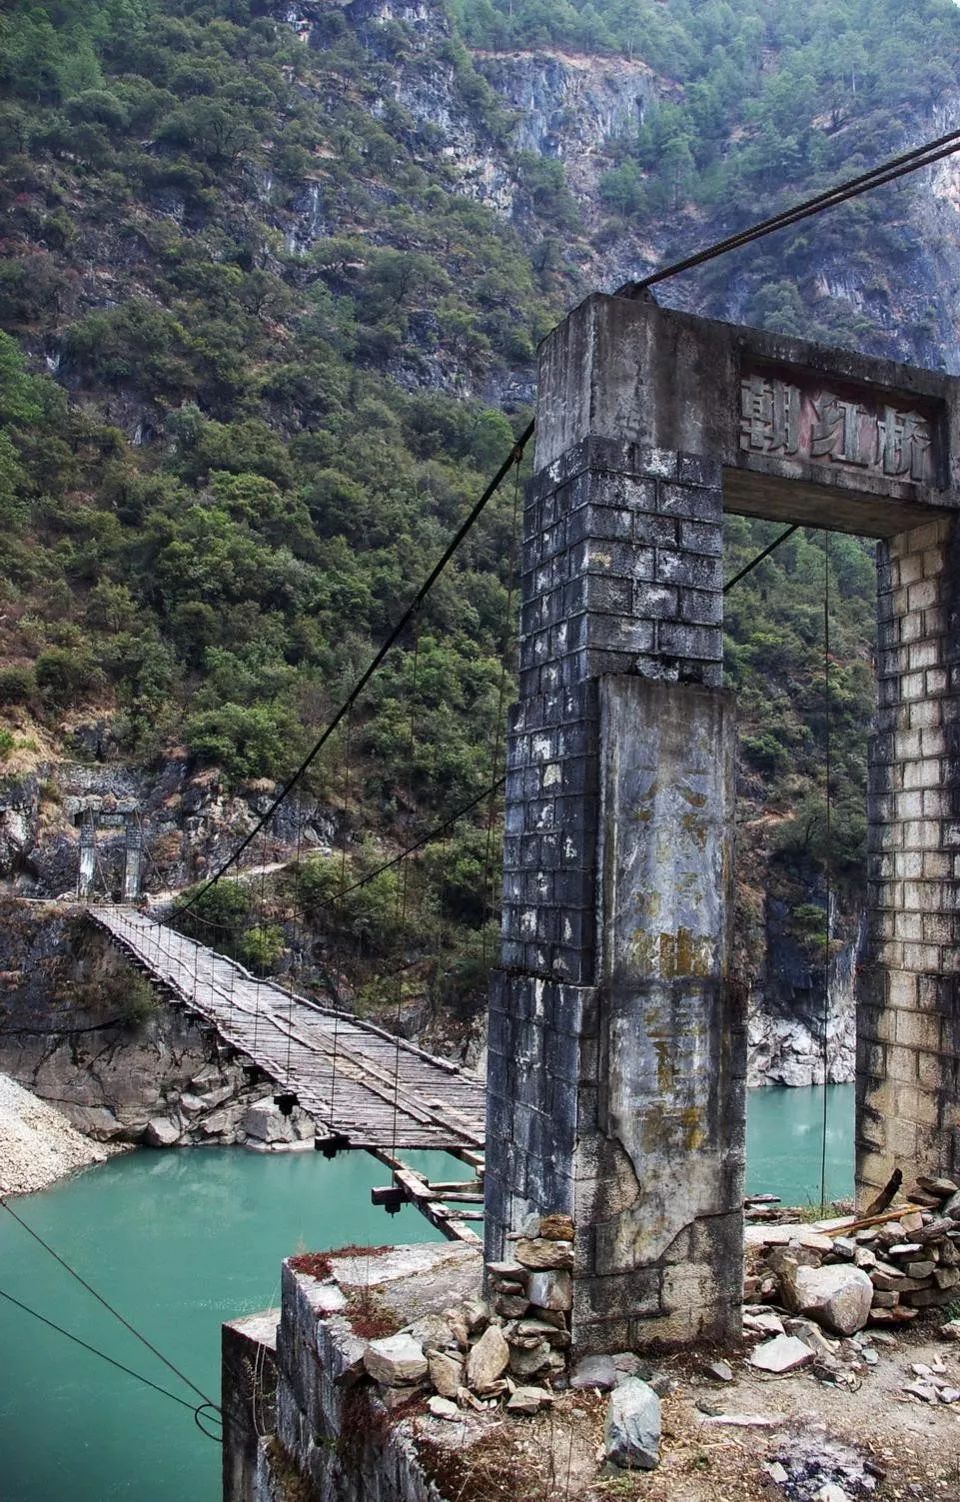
pixel 837 426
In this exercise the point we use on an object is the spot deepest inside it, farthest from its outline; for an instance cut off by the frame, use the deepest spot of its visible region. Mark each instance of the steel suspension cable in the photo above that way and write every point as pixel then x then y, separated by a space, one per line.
pixel 885 172
pixel 439 830
pixel 854 187
pixel 760 557
pixel 828 858
pixel 137 1334
pixel 165 1392
pixel 497 738
pixel 392 637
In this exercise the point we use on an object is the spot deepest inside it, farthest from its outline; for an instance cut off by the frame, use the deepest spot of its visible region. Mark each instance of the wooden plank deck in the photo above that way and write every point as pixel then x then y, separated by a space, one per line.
pixel 359 1083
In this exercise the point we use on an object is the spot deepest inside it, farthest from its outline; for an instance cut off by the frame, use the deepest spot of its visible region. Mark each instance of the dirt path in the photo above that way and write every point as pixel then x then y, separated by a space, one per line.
pixel 875 1441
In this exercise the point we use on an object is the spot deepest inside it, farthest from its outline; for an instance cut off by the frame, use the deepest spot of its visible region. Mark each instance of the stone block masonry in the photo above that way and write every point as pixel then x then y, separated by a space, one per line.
pixel 615 1040
pixel 908 1022
pixel 616 1037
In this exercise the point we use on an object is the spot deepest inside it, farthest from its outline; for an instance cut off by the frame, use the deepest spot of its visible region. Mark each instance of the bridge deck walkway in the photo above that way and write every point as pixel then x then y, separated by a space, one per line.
pixel 358 1082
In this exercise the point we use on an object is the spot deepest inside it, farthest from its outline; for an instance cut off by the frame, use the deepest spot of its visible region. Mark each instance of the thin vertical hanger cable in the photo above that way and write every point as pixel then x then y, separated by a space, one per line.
pixel 497 738
pixel 260 925
pixel 828 858
pixel 295 927
pixel 340 914
pixel 404 890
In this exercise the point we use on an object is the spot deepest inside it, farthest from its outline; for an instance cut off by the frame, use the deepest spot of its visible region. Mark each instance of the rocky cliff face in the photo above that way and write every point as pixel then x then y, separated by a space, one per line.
pixel 187 821
pixel 569 105
pixel 786 1024
pixel 564 108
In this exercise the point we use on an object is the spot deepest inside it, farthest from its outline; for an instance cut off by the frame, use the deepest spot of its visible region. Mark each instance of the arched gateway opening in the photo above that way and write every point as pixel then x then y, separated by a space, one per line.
pixel 617 1045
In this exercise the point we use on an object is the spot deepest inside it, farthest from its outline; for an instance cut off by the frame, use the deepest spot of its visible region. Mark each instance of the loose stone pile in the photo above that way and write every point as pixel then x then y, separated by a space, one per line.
pixel 845 1277
pixel 37 1143
pixel 511 1351
pixel 483 1353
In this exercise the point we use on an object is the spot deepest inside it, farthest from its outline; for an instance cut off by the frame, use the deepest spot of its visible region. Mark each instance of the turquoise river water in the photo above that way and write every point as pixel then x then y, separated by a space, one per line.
pixel 180 1242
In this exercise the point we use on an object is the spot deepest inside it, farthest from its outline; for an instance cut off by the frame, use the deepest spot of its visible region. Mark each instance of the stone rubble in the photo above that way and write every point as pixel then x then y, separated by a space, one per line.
pixel 784 1353
pixel 38 1145
pixel 633 1427
pixel 510 1351
pixel 835 1284
pixel 846 1278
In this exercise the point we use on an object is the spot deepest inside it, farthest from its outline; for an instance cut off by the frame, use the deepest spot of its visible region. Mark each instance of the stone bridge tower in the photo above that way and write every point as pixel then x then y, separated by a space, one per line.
pixel 617 1043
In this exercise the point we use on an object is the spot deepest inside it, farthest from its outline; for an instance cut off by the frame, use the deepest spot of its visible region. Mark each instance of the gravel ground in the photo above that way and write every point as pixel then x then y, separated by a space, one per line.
pixel 37 1143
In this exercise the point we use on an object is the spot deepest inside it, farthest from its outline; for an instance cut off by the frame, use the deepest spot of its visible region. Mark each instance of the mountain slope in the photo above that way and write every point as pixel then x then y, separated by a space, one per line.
pixel 274 276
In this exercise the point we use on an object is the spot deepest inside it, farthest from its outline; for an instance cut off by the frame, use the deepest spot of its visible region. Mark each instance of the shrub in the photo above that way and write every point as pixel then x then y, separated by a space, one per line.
pixel 66 675
pixel 217 915
pixel 17 685
pixel 245 742
pixel 139 1003
pixel 261 947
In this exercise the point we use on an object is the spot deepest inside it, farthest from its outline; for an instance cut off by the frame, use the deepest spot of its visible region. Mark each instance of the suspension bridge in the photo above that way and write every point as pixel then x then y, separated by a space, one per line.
pixel 363 1087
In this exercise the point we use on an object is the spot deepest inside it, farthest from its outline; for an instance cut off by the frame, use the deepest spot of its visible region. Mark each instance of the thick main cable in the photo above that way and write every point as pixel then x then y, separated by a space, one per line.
pixel 854 187
pixel 749 568
pixel 195 1409
pixel 515 455
pixel 108 1306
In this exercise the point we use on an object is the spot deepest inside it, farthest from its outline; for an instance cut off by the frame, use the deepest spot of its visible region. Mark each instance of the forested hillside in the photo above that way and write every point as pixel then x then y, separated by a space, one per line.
pixel 273 279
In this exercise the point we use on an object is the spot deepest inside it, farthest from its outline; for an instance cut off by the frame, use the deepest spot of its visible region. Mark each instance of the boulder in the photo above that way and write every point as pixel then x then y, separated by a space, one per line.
pixel 512 1306
pixel 763 1324
pixel 162 1132
pixel 837 1297
pixel 396 1361
pixel 526 1361
pixel 595 1371
pixel 757 1237
pixel 939 1188
pixel 265 1123
pixel 785 1353
pixel 476 1314
pixel 557 1227
pixel 812 1336
pixel 510 1272
pixel 551 1290
pixel 432 1332
pixel 488 1359
pixel 633 1424
pixel 529 1400
pixel 540 1252
pixel 446 1374
pixel 443 1408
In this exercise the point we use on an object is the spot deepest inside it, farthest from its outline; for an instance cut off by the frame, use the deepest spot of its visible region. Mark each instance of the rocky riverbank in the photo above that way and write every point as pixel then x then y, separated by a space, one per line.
pixel 37 1143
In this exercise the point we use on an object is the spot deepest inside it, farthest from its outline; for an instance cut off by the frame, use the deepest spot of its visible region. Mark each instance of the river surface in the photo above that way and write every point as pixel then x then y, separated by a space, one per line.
pixel 180 1242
